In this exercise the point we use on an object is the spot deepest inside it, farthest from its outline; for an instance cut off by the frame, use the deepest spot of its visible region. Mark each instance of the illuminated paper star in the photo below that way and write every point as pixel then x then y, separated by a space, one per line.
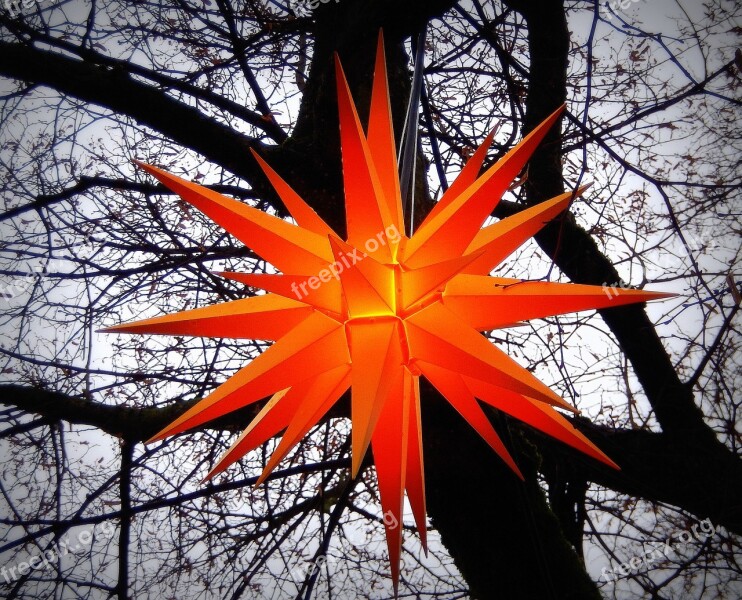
pixel 379 310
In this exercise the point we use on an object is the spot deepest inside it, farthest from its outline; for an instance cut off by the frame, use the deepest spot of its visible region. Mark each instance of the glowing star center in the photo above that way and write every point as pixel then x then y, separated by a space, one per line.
pixel 379 298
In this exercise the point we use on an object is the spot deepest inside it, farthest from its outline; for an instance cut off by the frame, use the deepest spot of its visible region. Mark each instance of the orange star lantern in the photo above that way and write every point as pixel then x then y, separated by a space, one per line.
pixel 379 310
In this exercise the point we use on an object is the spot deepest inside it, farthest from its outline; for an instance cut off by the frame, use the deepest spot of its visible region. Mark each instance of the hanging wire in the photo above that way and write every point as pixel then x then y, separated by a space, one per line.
pixel 408 147
pixel 428 114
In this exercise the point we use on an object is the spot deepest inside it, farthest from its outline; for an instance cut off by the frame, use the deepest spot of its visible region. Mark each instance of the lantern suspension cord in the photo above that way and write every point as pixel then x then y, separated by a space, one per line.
pixel 408 148
pixel 427 113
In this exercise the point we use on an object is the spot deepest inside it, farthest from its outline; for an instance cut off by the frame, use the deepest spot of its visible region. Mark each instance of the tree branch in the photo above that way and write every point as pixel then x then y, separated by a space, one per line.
pixel 657 466
pixel 134 424
pixel 86 183
pixel 114 89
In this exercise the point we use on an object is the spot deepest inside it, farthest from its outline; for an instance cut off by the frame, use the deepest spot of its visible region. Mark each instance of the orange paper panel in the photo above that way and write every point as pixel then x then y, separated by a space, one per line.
pixel 452 387
pixel 266 317
pixel 439 337
pixel 389 445
pixel 499 240
pixel 415 472
pixel 272 418
pixel 418 283
pixel 450 232
pixel 376 353
pixel 465 179
pixel 368 287
pixel 303 214
pixel 490 302
pixel 324 295
pixel 366 211
pixel 381 139
pixel 537 415
pixel 288 247
pixel 318 344
pixel 319 397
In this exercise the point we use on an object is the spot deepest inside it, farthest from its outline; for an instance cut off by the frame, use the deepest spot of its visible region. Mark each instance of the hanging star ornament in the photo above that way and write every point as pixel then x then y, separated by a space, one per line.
pixel 375 312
